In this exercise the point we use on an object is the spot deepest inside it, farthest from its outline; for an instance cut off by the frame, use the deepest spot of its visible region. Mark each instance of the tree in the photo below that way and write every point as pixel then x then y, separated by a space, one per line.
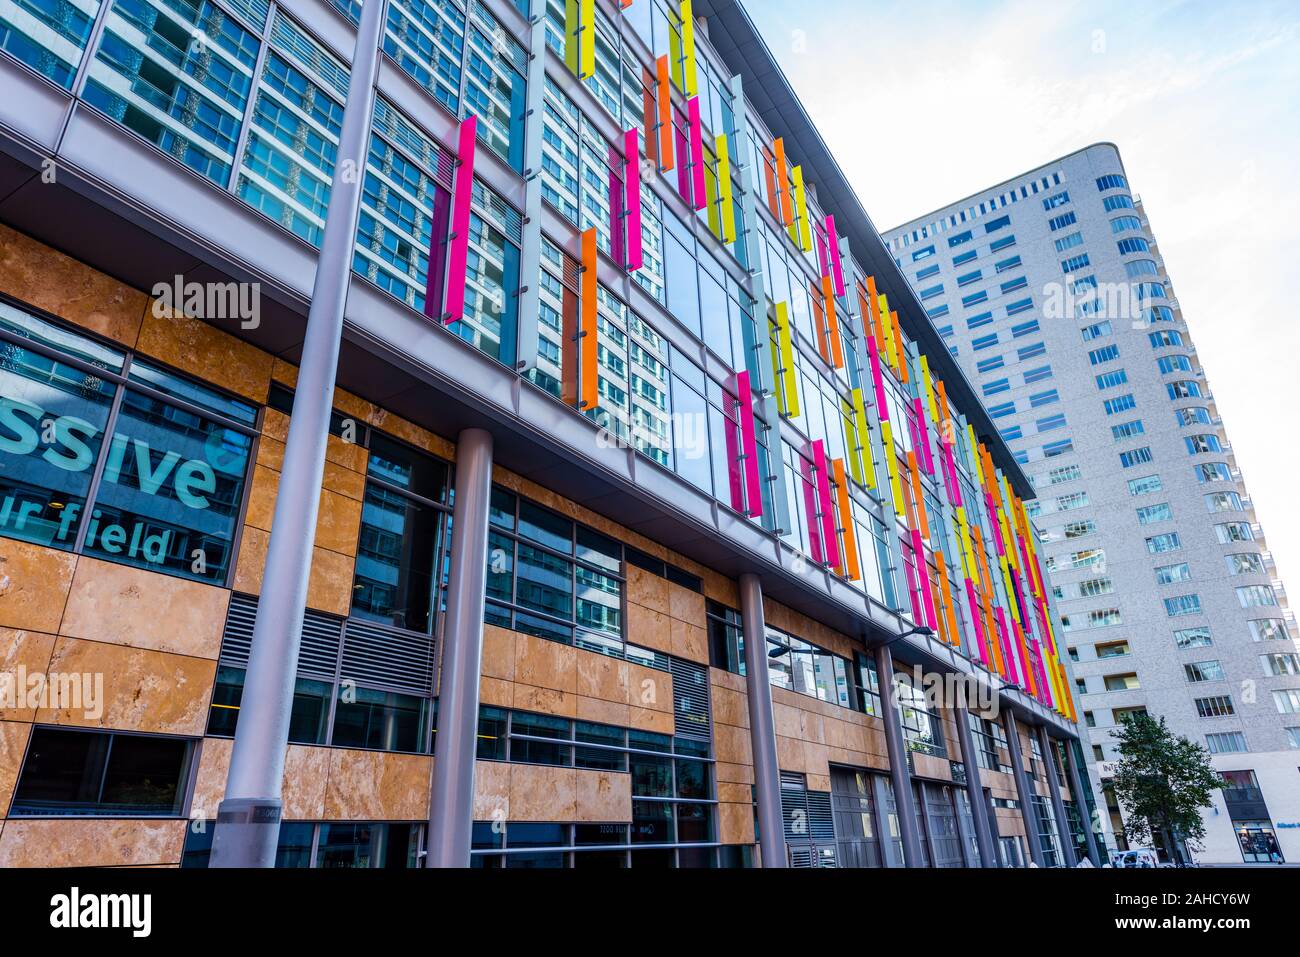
pixel 1163 782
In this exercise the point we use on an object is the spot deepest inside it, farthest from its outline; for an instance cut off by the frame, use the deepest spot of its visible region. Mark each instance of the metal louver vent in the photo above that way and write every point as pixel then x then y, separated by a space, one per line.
pixel 318 656
pixel 821 824
pixel 377 656
pixel 690 699
pixel 801 857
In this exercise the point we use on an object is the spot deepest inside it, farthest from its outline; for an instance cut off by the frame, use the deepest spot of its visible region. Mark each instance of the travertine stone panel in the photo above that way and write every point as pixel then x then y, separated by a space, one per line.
pixel 540 793
pixel 29 650
pixel 143 690
pixel 377 786
pixel 736 823
pixel 649 628
pixel 498 653
pixel 496 693
pixel 730 707
pixel 603 677
pixel 689 641
pixel 602 796
pixel 659 722
pixel 732 745
pixel 206 352
pixel 329 588
pixel 34 585
pixel 62 286
pixel 545 701
pixel 306 774
pixel 545 664
pixel 647 589
pixel 13 745
pixel 650 689
pixel 122 605
pixel 91 842
pixel 491 791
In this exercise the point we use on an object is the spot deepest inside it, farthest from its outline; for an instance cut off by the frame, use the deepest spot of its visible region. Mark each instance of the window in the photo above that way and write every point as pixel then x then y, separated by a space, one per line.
pixel 1288 701
pixel 1024 329
pixel 959 239
pixel 1056 201
pixel 1040 399
pixel 1060 222
pixel 1127 430
pixel 1223 502
pixel 1183 390
pixel 1109 380
pixel 1150 514
pixel 1079 529
pixel 970 277
pixel 1229 742
pixel 922 730
pixel 920 254
pixel 1137 268
pixel 1245 563
pixel 1096 587
pixel 78 773
pixel 1031 352
pixel 1006 242
pixel 1075 263
pixel 1145 486
pixel 1269 629
pixel 966 257
pixel 927 272
pixel 931 292
pixel 1181 605
pixel 1198 671
pixel 1230 532
pixel 1052 422
pixel 993 225
pixel 988 365
pixel 1198 637
pixel 1293 736
pixel 982 319
pixel 1193 415
pixel 1201 444
pixel 1096 331
pixel 173 472
pixel 1165 338
pixel 984 342
pixel 996 386
pixel 1005 265
pixel 1125 682
pixel 807 669
pixel 1002 410
pixel 1121 403
pixel 1174 363
pixel 1112 203
pixel 1011 285
pixel 1123 224
pixel 1103 355
pixel 1213 472
pixel 1281 664
pixel 1019 306
pixel 1135 457
pixel 1063 447
pixel 1170 574
pixel 1040 374
pixel 1112 181
pixel 1112 649
pixel 1168 542
pixel 974 299
pixel 1256 596
pixel 1063 474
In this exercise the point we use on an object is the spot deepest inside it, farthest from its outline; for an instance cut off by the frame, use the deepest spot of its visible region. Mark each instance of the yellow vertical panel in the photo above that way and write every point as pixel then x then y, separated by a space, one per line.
pixel 690 86
pixel 587 39
pixel 882 303
pixel 572 27
pixel 804 238
pixel 864 438
pixel 891 463
pixel 724 188
pixel 785 350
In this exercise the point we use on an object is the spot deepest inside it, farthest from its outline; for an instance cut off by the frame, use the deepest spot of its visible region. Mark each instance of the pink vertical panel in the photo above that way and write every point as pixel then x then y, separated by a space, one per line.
pixel 462 196
pixel 873 353
pixel 980 640
pixel 829 530
pixel 823 258
pixel 683 169
pixel 815 535
pixel 997 526
pixel 749 438
pixel 955 488
pixel 632 178
pixel 923 576
pixel 837 264
pixel 1008 655
pixel 697 152
pixel 616 242
pixel 923 433
pixel 734 455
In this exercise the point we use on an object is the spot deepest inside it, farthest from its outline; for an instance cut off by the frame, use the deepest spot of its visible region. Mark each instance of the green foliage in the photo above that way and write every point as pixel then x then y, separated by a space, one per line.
pixel 1163 781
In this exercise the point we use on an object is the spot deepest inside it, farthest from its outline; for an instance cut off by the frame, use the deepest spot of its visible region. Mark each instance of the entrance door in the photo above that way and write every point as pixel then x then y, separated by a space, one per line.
pixel 855 822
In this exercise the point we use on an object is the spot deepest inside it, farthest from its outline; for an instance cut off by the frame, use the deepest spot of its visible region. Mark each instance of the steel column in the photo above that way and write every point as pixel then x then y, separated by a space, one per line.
pixel 248 818
pixel 974 787
pixel 899 769
pixel 1045 745
pixel 1024 789
pixel 451 792
pixel 762 725
pixel 1076 787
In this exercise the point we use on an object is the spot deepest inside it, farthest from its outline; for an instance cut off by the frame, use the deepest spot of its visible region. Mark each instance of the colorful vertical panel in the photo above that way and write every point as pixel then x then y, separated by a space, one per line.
pixel 749 443
pixel 726 200
pixel 589 390
pixel 690 85
pixel 783 183
pixel 850 566
pixel 803 235
pixel 632 201
pixel 665 98
pixel 837 264
pixel 787 375
pixel 462 199
pixel 826 506
pixel 698 191
pixel 832 324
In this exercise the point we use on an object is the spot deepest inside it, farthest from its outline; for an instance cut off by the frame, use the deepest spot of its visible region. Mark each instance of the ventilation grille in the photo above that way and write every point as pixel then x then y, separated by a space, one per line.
pixel 821 823
pixel 373 656
pixel 690 699
pixel 801 857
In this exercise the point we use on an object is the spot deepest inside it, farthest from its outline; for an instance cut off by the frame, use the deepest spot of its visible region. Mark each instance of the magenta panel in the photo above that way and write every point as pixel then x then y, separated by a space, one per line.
pixel 837 264
pixel 616 241
pixel 753 482
pixel 462 196
pixel 697 152
pixel 923 434
pixel 829 531
pixel 873 353
pixel 735 479
pixel 632 176
pixel 923 580
pixel 979 623
pixel 810 509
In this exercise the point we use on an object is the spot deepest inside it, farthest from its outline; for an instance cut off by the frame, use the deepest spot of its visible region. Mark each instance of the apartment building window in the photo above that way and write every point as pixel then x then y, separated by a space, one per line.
pixel 1006 242
pixel 1052 449
pixel 1071 241
pixel 1056 201
pixel 927 272
pixel 1175 363
pixel 1168 542
pixel 1112 649
pixel 1096 587
pixel 1228 742
pixel 1172 574
pixel 1112 203
pixel 1124 682
pixel 1231 532
pixel 1200 671
pixel 1181 605
pixel 79 773
pixel 1106 354
pixel 976 322
pixel 1269 629
pixel 967 257
pixel 1280 664
pixel 1135 457
pixel 1109 380
pixel 1021 305
pixel 1123 224
pixel 1052 422
pixel 984 342
pixel 1063 474
pixel 1111 181
pixel 1293 737
pixel 1075 263
pixel 1287 701
pixel 970 277
pixel 1198 637
pixel 1202 444
pixel 1132 245
pixel 1193 415
pixel 1097 330
pixel 922 730
pixel 173 473
pixel 1121 403
pixel 931 292
pixel 1005 265
pixel 1146 485
pixel 1151 514
pixel 1213 472
pixel 1060 222
pixel 938 312
pixel 1002 410
pixel 959 239
pixel 1080 529
pixel 1183 389
pixel 1165 338
pixel 993 225
pixel 1218 706
pixel 1066 503
pixel 1127 430
pixel 1245 563
pixel 996 387
pixel 1031 352
pixel 988 365
pixel 1223 502
pixel 1024 329
pixel 924 253
pixel 1040 399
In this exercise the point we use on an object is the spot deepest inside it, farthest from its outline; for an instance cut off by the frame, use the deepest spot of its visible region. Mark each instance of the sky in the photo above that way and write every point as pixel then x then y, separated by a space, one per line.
pixel 925 102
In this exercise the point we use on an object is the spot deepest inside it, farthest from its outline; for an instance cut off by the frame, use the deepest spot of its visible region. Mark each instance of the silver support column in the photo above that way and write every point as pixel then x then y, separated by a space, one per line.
pixel 451 793
pixel 1024 787
pixel 248 818
pixel 979 808
pixel 899 768
pixel 1076 788
pixel 1068 857
pixel 762 726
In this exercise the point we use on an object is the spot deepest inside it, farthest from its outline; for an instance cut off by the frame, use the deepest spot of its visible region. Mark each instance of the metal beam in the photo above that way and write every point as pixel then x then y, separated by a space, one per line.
pixel 1024 788
pixel 899 770
pixel 451 792
pixel 1058 806
pixel 1076 787
pixel 974 787
pixel 762 725
pixel 248 818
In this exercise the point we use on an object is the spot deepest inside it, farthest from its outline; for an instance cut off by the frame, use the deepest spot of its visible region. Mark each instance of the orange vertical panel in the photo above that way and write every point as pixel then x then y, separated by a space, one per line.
pixel 649 115
pixel 665 114
pixel 899 351
pixel 819 320
pixel 783 183
pixel 833 323
pixel 589 390
pixel 924 526
pixel 849 556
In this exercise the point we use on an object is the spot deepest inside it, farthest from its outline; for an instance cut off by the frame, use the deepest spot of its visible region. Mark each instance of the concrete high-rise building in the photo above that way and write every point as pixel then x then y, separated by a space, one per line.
pixel 1052 294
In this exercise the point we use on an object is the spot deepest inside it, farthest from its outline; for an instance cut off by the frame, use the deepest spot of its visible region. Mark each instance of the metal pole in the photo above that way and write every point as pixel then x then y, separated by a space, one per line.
pixel 899 770
pixel 248 819
pixel 974 786
pixel 1058 806
pixel 762 726
pixel 1076 786
pixel 451 792
pixel 1023 789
